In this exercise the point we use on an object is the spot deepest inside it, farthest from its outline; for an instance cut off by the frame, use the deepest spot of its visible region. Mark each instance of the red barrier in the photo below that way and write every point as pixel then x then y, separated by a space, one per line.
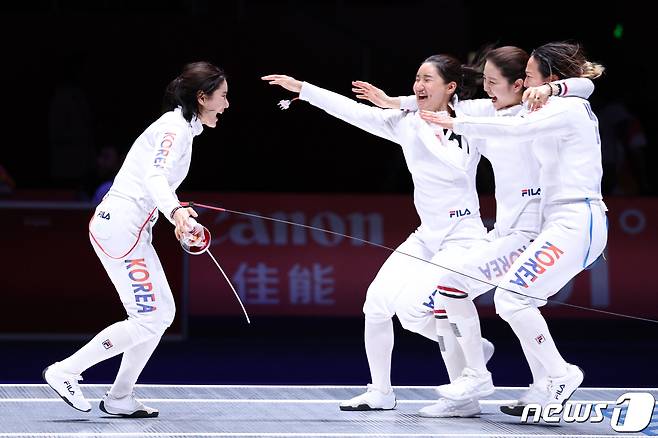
pixel 283 270
pixel 51 281
pixel 280 269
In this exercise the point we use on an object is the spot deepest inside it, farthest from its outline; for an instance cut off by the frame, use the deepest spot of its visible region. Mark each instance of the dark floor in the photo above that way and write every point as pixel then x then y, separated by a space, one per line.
pixel 330 351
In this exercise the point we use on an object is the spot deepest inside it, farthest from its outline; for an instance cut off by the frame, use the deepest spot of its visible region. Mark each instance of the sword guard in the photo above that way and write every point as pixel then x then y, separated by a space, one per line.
pixel 197 240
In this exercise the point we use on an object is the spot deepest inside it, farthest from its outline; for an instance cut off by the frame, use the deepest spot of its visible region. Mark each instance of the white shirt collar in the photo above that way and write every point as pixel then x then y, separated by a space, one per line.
pixel 510 111
pixel 195 124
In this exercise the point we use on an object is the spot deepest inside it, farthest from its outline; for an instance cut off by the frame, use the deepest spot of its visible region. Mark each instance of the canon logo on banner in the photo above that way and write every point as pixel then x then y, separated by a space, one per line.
pixel 244 231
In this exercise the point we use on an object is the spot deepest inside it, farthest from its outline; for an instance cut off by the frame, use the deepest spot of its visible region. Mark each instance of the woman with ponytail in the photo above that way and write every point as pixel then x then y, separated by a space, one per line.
pixel 564 138
pixel 442 166
pixel 121 233
pixel 518 196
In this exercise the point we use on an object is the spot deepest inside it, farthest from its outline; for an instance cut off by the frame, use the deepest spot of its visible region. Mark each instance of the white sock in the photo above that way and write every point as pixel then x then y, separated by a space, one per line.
pixel 451 351
pixel 111 341
pixel 463 314
pixel 132 363
pixel 379 349
pixel 531 329
pixel 538 371
pixel 428 330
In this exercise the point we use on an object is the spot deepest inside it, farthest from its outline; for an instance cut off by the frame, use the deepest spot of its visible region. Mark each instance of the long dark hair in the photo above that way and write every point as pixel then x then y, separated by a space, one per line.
pixel 565 60
pixel 510 60
pixel 450 69
pixel 195 78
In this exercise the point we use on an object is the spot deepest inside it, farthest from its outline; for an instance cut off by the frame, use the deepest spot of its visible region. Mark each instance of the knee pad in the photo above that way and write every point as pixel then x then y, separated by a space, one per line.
pixel 153 325
pixel 507 303
pixel 376 308
pixel 413 319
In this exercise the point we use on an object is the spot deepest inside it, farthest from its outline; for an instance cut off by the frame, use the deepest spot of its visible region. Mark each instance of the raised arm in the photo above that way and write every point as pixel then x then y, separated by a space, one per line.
pixel 377 96
pixel 366 91
pixel 552 121
pixel 376 121
pixel 571 87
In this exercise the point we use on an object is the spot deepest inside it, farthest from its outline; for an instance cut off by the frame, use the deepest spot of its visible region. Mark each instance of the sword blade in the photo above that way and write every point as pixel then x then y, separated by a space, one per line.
pixel 230 284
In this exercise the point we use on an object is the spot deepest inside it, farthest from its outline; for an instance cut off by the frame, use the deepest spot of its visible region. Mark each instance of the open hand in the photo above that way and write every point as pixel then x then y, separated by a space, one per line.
pixel 537 96
pixel 367 91
pixel 441 119
pixel 287 82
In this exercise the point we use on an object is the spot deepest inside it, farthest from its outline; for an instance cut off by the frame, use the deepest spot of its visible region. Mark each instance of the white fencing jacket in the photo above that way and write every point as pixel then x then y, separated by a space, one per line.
pixel 565 140
pixel 443 173
pixel 515 166
pixel 157 163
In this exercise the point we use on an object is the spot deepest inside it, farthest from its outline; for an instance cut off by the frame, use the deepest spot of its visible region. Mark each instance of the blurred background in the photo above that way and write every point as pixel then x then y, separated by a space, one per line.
pixel 81 81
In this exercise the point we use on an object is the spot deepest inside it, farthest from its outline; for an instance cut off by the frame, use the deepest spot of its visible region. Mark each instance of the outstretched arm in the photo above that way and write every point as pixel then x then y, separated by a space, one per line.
pixel 552 121
pixel 373 120
pixel 367 91
pixel 287 82
pixel 576 87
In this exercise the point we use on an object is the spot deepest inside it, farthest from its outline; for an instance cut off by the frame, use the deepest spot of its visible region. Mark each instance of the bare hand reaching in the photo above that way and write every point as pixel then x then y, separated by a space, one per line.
pixel 442 120
pixel 287 82
pixel 537 96
pixel 367 91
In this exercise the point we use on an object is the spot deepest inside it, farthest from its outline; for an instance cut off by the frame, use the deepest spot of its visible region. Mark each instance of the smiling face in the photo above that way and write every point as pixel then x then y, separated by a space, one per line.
pixel 432 92
pixel 503 94
pixel 210 106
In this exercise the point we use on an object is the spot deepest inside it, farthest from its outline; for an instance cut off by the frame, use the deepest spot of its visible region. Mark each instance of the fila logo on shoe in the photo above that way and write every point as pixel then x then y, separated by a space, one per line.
pixel 104 215
pixel 558 393
pixel 69 387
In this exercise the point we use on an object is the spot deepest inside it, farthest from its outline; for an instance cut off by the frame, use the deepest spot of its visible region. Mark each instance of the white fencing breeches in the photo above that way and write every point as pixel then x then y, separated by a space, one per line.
pixel 121 236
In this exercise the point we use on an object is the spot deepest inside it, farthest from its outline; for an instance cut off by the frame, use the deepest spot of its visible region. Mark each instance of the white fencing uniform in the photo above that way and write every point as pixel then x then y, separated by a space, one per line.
pixel 444 190
pixel 121 228
pixel 574 230
pixel 474 272
pixel 574 227
pixel 121 233
pixel 518 192
pixel 442 166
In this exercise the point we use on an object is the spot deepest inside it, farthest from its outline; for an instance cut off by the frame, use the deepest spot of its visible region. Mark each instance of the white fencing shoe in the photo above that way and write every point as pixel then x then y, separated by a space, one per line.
pixel 560 389
pixel 470 385
pixel 371 400
pixel 446 408
pixel 488 349
pixel 126 406
pixel 66 386
pixel 537 393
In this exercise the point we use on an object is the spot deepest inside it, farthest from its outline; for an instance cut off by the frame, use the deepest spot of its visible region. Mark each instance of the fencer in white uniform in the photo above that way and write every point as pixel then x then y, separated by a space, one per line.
pixel 442 167
pixel 449 292
pixel 121 233
pixel 565 140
